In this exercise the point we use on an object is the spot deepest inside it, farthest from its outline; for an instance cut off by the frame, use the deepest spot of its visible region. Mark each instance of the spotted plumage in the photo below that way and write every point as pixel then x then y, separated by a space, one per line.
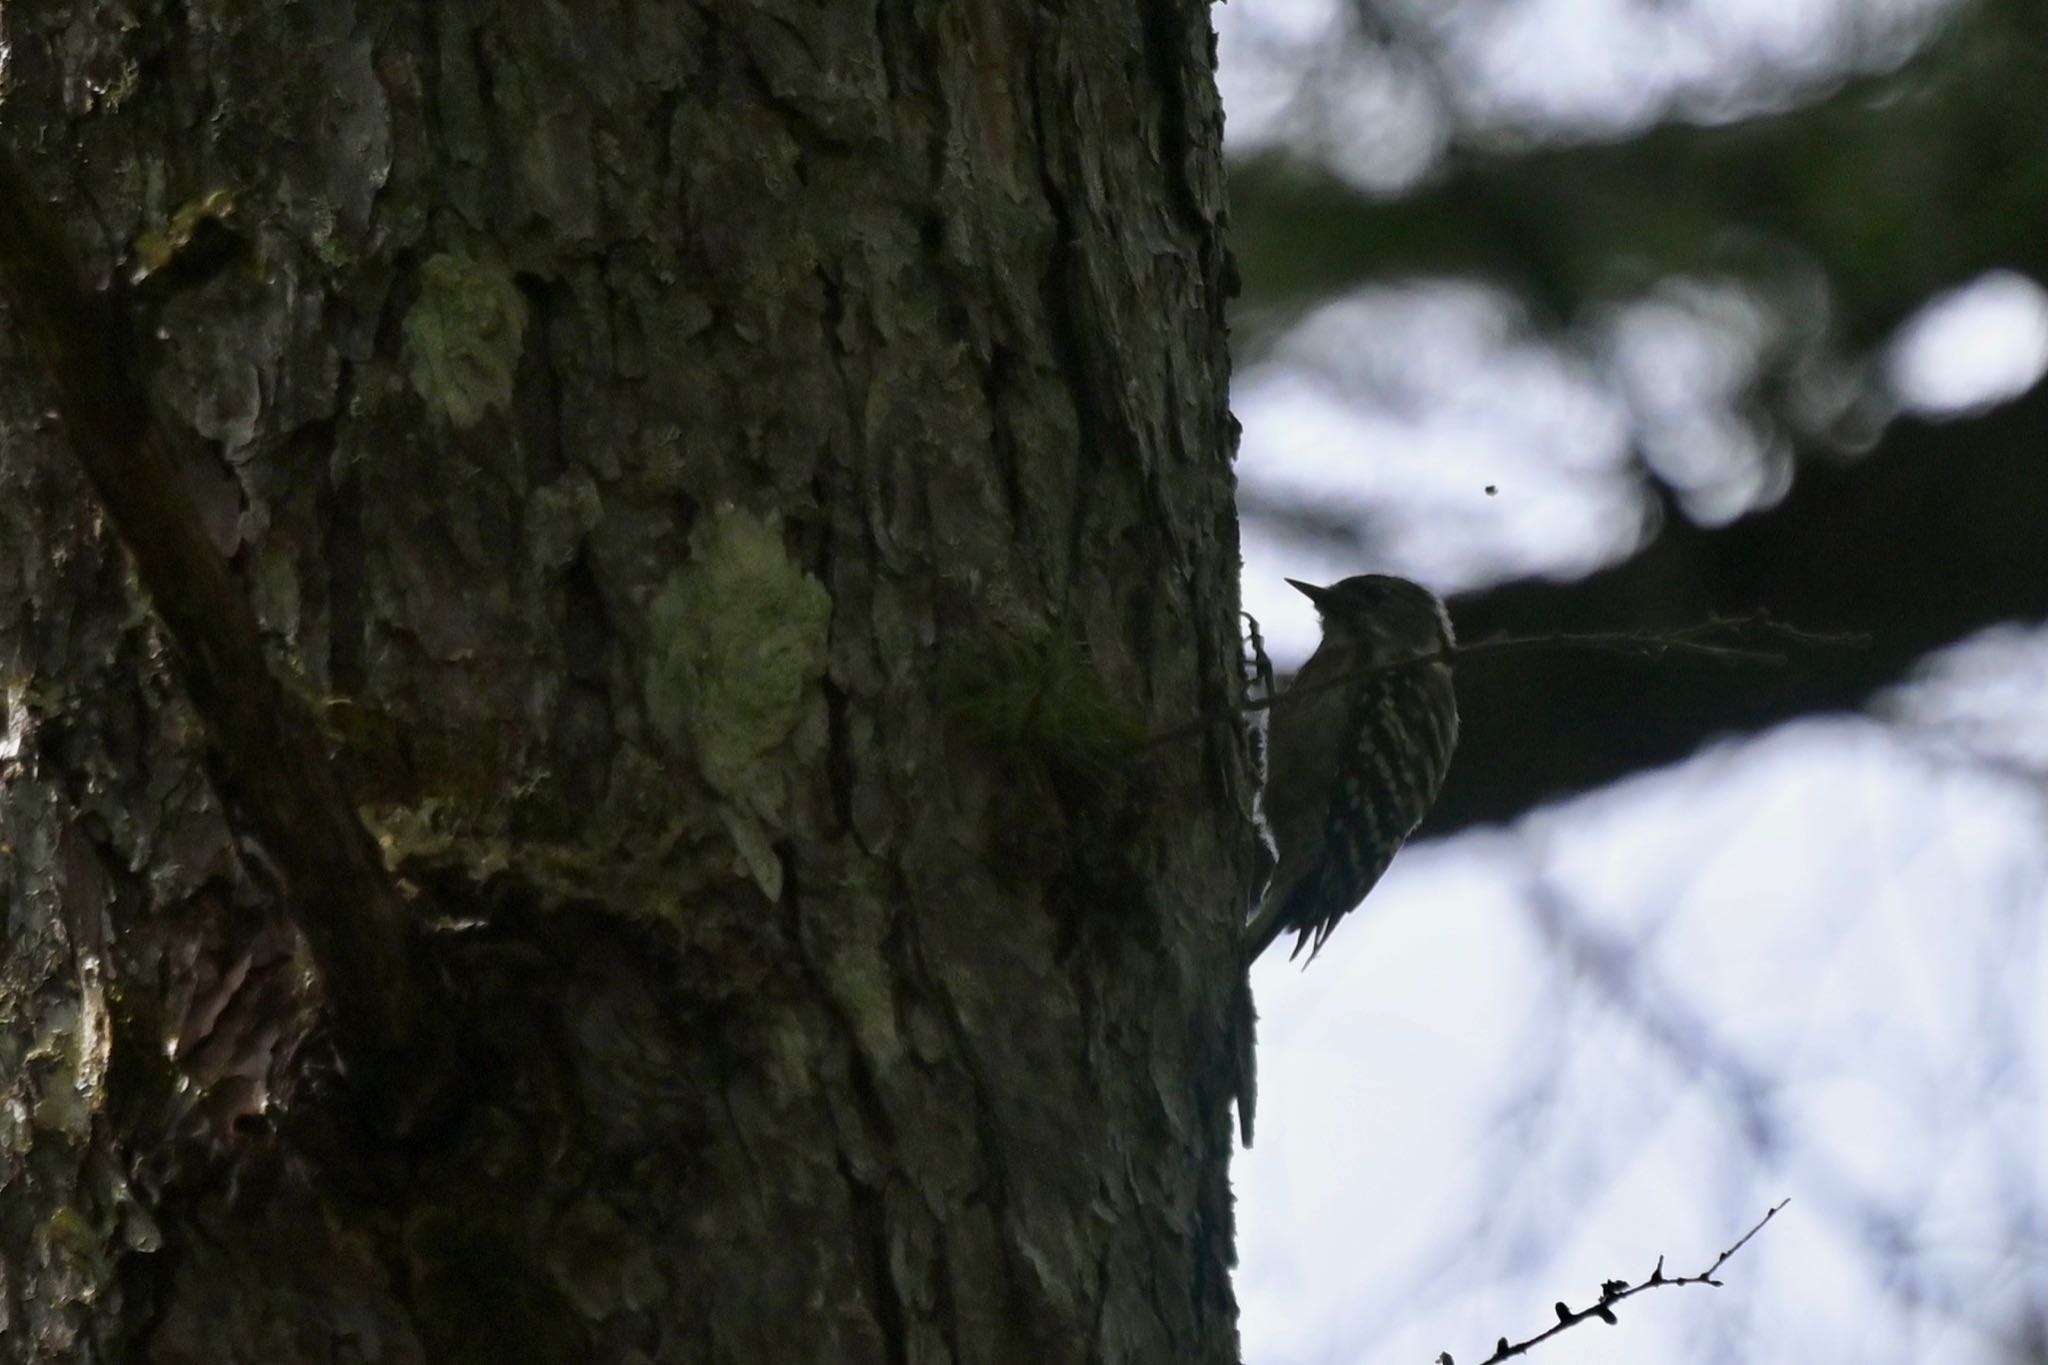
pixel 1357 752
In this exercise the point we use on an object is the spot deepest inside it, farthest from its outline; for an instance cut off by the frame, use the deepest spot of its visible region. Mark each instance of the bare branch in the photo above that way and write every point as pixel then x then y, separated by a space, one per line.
pixel 1717 637
pixel 1613 1292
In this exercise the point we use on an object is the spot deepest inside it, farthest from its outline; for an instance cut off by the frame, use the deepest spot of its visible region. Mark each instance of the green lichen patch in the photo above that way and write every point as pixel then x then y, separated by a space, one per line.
pixel 736 651
pixel 463 337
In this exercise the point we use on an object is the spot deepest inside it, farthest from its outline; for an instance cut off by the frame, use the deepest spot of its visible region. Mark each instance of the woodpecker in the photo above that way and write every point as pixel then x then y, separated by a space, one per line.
pixel 1357 747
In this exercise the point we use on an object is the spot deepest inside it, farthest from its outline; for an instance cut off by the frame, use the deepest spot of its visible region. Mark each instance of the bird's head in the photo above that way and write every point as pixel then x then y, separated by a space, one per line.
pixel 1385 614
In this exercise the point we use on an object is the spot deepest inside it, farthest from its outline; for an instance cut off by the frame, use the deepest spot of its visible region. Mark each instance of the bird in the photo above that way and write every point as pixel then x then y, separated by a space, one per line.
pixel 1358 745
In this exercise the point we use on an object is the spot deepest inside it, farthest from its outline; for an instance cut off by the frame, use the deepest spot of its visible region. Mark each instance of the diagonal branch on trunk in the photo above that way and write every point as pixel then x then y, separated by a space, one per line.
pixel 264 751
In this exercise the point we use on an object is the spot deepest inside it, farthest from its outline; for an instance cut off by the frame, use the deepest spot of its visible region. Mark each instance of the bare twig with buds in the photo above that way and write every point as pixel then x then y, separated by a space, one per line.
pixel 1613 1292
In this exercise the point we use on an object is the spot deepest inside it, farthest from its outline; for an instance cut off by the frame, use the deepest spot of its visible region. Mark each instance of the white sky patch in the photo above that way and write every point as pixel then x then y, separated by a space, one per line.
pixel 1287 620
pixel 1461 1121
pixel 1298 72
pixel 1982 697
pixel 1386 130
pixel 1616 66
pixel 1264 52
pixel 1973 347
pixel 1389 415
pixel 1684 357
pixel 1585 65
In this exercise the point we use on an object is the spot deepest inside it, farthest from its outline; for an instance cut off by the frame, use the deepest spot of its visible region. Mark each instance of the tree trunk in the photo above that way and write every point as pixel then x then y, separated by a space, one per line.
pixel 732 483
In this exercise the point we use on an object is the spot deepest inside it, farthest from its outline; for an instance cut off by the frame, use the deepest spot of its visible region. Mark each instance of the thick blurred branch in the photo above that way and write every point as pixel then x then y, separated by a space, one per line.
pixel 1935 535
pixel 1897 184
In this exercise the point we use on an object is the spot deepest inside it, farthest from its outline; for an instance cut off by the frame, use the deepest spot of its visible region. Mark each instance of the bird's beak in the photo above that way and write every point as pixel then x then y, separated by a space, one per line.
pixel 1317 595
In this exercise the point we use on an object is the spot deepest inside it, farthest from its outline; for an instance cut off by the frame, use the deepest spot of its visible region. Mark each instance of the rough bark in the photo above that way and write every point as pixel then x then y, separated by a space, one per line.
pixel 731 480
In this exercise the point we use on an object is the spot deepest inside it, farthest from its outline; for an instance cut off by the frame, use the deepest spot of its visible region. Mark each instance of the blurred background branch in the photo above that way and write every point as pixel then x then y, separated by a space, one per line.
pixel 1934 536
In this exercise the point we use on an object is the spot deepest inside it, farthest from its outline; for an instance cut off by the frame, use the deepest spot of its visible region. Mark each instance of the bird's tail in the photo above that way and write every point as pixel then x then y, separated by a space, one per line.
pixel 1267 925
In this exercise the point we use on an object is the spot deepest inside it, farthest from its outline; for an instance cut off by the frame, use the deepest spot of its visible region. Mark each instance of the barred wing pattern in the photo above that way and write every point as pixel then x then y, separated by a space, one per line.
pixel 1401 727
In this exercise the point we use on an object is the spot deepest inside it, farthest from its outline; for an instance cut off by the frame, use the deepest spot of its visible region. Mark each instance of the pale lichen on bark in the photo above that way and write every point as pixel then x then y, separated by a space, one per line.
pixel 737 644
pixel 464 335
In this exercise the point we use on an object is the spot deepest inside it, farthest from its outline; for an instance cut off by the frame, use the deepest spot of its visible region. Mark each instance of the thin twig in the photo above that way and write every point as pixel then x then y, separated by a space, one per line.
pixel 1712 638
pixel 1613 1292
